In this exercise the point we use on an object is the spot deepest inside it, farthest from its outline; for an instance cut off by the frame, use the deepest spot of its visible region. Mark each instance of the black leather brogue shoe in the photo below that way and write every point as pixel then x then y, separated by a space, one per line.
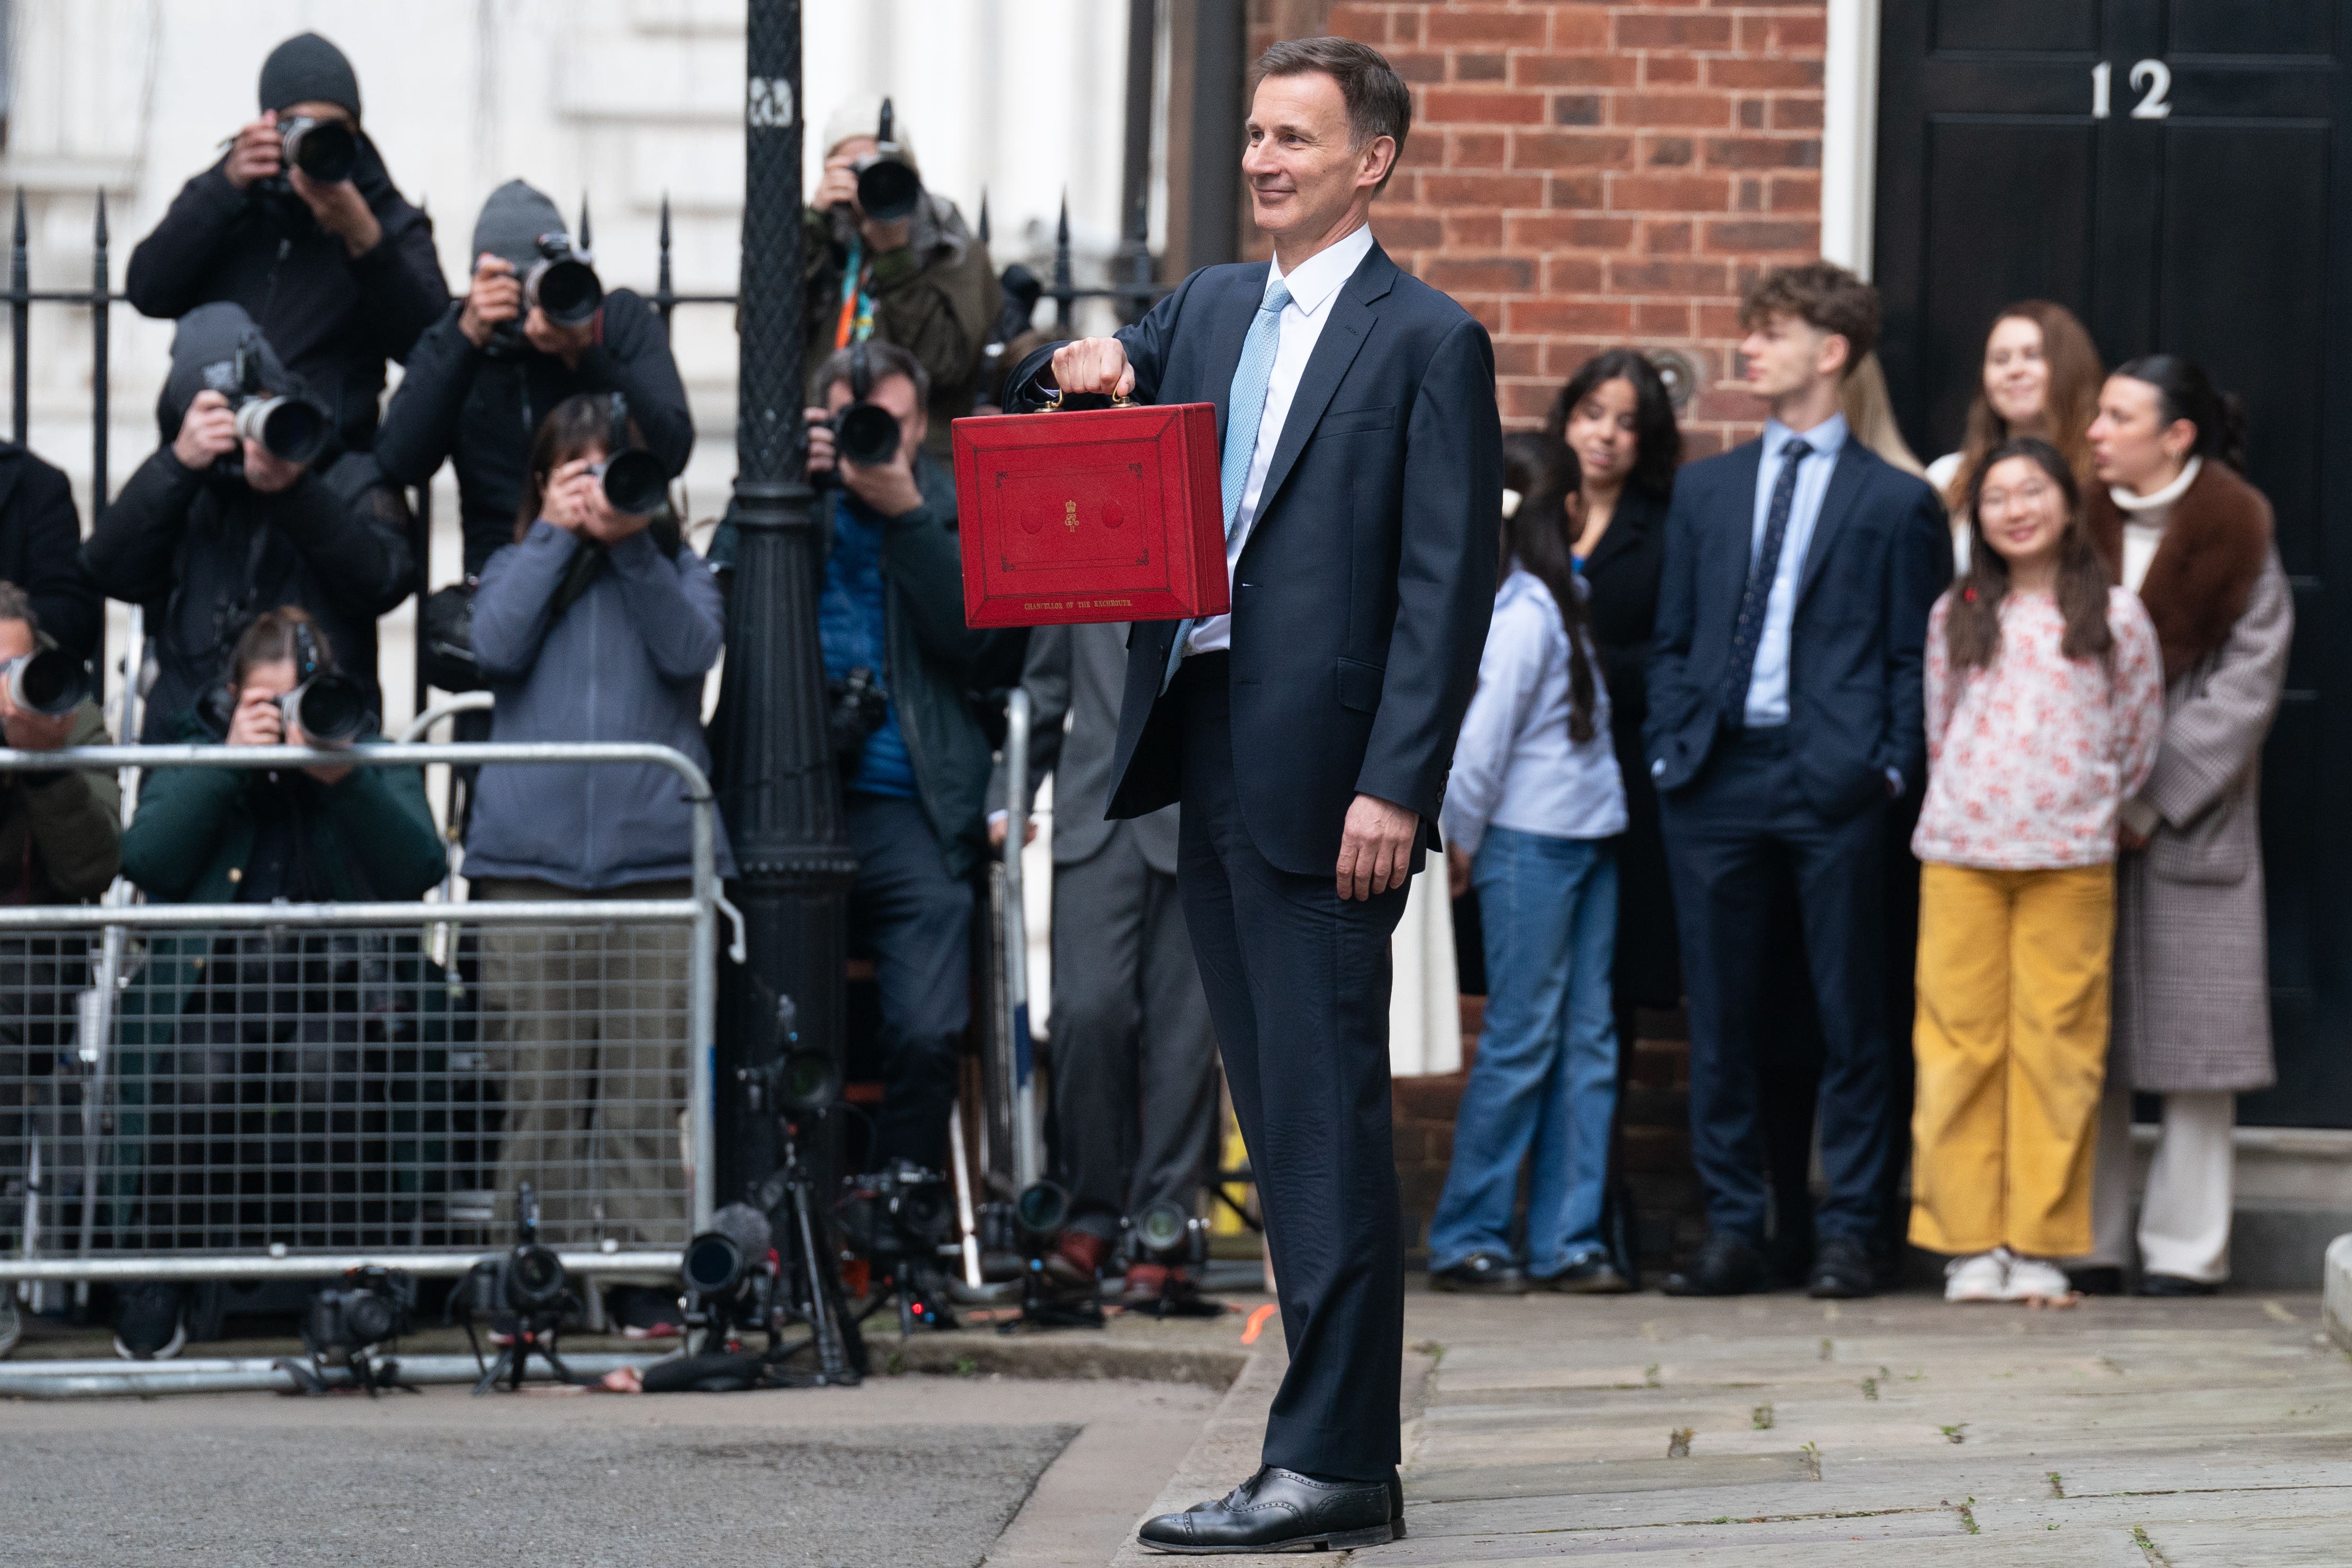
pixel 1278 1511
pixel 1725 1266
pixel 1481 1274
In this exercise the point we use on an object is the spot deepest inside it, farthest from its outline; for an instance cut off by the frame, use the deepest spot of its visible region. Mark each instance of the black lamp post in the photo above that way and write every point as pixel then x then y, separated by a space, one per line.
pixel 774 769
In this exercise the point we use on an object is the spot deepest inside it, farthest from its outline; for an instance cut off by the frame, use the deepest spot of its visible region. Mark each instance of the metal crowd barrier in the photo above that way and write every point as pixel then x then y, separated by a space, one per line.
pixel 292 1090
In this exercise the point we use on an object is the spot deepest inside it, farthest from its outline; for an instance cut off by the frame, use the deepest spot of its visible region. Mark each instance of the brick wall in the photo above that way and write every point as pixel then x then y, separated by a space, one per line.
pixel 1584 174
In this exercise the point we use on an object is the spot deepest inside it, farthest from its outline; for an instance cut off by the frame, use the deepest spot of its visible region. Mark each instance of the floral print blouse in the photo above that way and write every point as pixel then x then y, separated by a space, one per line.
pixel 2029 759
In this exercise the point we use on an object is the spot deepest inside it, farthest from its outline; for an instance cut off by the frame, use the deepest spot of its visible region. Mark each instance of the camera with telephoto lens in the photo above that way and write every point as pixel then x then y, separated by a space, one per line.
pixel 561 283
pixel 290 429
pixel 635 484
pixel 863 432
pixel 887 186
pixel 325 150
pixel 372 1305
pixel 527 1279
pixel 52 682
pixel 902 1212
pixel 1166 1232
pixel 730 1272
pixel 329 708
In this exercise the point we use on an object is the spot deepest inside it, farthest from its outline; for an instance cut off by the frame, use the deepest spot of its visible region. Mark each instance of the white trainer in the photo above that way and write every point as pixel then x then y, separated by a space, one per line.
pixel 2036 1280
pixel 1983 1277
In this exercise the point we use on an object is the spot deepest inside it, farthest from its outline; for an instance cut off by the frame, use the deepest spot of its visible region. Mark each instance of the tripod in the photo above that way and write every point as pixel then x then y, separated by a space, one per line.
pixel 810 1286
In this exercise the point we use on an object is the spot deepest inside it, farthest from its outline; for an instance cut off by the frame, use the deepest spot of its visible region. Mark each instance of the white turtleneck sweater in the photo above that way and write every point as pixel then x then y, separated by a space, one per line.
pixel 2144 520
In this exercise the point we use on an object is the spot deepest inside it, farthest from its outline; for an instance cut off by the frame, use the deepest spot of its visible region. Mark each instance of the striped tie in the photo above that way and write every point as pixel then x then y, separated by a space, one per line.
pixel 1245 407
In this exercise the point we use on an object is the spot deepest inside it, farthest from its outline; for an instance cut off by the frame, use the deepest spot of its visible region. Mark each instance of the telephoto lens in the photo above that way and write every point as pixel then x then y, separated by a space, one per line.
pixel 887 186
pixel 866 434
pixel 718 1261
pixel 1041 1209
pixel 535 1280
pixel 634 484
pixel 1164 1230
pixel 326 150
pixel 329 709
pixel 52 682
pixel 562 285
pixel 289 428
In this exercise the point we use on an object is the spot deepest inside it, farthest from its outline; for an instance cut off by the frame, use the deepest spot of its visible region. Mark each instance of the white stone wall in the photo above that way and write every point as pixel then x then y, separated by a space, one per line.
pixel 621 100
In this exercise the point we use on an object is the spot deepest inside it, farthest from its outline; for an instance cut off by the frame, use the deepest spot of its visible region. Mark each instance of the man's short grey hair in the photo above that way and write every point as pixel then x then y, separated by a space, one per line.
pixel 1379 103
pixel 882 360
pixel 15 604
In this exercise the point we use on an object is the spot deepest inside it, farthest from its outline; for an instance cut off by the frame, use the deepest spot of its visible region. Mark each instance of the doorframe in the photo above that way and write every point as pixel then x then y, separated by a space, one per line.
pixel 1850 133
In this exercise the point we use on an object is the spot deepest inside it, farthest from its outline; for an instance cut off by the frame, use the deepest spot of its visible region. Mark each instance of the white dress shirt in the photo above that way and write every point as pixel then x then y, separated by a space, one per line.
pixel 1767 686
pixel 1312 288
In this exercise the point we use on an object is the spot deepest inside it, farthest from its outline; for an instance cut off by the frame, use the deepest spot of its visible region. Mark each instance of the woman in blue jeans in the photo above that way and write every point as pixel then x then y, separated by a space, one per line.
pixel 1534 799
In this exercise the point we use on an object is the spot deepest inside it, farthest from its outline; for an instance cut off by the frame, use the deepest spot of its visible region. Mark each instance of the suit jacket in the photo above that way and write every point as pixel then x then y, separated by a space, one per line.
pixel 1080 673
pixel 1880 554
pixel 1360 601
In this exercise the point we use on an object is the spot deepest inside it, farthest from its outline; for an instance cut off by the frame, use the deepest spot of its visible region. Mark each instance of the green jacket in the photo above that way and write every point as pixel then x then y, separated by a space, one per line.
pixel 936 297
pixel 192 836
pixel 64 828
pixel 937 661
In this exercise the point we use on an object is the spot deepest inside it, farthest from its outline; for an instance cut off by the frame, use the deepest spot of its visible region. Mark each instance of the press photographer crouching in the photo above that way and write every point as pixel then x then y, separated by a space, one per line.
pixel 594 623
pixel 299 224
pixel 220 1019
pixel 902 668
pixel 249 505
pixel 536 326
pixel 61 832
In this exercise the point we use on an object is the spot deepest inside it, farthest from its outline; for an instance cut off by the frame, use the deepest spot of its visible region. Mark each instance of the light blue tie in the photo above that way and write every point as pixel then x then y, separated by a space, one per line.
pixel 1244 408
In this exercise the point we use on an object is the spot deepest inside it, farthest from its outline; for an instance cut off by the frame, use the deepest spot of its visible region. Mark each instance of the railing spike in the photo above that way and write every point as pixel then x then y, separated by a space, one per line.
pixel 586 243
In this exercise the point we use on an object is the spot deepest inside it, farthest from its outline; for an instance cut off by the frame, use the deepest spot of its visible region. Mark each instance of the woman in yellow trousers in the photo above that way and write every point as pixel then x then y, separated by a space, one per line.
pixel 2044 706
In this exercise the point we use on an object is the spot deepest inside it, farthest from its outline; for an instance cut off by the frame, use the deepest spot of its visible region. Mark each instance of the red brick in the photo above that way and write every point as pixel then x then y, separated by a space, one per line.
pixel 1765 236
pixel 1669 70
pixel 1670 193
pixel 1481 274
pixel 1574 191
pixel 1668 239
pixel 1668 152
pixel 1571 274
pixel 1480 106
pixel 1751 113
pixel 1484 24
pixel 1549 232
pixel 1480 67
pixel 1488 313
pixel 1526 401
pixel 1694 108
pixel 1366 23
pixel 1665 277
pixel 1575 71
pixel 1410 233
pixel 1517 356
pixel 1577 108
pixel 1765 73
pixel 1493 191
pixel 1474 150
pixel 1570 316
pixel 1578 27
pixel 1762 152
pixel 1417 66
pixel 1532 150
pixel 1677 32
pixel 1719 321
pixel 1422 153
pixel 1794 35
pixel 1658 319
pixel 1751 198
pixel 1795 193
pixel 1473 231
pixel 1698 444
pixel 1796 114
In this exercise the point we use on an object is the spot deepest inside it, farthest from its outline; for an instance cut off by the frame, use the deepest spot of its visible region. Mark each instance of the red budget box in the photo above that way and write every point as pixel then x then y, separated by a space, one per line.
pixel 1103 514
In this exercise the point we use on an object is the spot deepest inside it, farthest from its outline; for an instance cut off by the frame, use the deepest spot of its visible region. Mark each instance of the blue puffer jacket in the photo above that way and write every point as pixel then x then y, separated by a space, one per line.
pixel 624 662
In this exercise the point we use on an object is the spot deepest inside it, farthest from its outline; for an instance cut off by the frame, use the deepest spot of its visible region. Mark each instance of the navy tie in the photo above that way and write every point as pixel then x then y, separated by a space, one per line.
pixel 1747 634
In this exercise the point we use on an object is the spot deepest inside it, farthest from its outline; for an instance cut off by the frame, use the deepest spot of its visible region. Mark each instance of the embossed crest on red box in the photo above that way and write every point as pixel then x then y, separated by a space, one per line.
pixel 1097 515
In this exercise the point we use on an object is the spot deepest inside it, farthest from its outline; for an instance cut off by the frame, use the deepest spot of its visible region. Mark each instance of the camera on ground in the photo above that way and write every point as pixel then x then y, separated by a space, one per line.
pixel 52 682
pixel 373 1306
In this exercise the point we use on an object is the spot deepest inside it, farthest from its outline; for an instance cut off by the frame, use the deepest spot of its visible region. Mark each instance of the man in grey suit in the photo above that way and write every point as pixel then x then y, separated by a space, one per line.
pixel 1134 1058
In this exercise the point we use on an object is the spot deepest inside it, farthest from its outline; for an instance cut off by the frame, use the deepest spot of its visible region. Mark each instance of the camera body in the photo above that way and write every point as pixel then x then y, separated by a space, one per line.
pixel 858 707
pixel 291 429
pixel 325 150
pixel 374 1305
pixel 900 1214
pixel 51 683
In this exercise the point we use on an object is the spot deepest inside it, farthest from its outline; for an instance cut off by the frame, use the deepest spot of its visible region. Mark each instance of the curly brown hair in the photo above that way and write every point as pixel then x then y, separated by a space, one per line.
pixel 1822 295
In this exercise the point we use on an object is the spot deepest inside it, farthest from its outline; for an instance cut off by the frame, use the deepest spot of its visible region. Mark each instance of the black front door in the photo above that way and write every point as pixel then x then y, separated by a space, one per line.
pixel 2170 170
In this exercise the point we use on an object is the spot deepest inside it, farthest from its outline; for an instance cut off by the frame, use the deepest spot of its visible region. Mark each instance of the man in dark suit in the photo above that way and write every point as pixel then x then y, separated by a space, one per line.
pixel 1308 733
pixel 1134 1058
pixel 1785 716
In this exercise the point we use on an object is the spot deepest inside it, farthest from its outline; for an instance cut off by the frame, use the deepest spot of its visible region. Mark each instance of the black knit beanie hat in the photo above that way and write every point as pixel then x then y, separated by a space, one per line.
pixel 307 68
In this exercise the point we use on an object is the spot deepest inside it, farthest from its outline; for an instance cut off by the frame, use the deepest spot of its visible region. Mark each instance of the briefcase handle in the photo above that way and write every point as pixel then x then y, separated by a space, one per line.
pixel 1053 404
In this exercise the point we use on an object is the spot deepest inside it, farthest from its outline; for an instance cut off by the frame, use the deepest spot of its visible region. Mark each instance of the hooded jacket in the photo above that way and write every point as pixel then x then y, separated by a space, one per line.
pixel 479 408
pixel 936 297
pixel 40 550
pixel 335 317
pixel 202 554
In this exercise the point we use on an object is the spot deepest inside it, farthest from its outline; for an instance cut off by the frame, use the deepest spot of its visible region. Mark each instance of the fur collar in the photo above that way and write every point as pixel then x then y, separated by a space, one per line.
pixel 2214 546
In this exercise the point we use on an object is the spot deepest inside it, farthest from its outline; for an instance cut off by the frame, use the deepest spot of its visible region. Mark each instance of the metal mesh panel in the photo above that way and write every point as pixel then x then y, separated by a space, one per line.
pixel 348 1088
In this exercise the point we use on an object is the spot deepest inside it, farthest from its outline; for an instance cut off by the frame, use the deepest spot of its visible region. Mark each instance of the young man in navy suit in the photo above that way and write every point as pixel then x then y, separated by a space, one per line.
pixel 1785 719
pixel 1308 733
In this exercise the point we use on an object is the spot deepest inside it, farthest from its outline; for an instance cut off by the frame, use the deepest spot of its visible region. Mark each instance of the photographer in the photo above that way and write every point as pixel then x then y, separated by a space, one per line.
pixel 215 528
pixel 340 272
pixel 61 832
pixel 483 377
pixel 40 551
pixel 590 625
pixel 192 1018
pixel 921 282
pixel 899 664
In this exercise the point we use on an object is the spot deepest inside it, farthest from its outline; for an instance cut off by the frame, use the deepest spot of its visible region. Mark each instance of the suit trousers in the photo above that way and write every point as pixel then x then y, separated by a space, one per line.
pixel 1134 1066
pixel 1730 833
pixel 1298 981
pixel 914 920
